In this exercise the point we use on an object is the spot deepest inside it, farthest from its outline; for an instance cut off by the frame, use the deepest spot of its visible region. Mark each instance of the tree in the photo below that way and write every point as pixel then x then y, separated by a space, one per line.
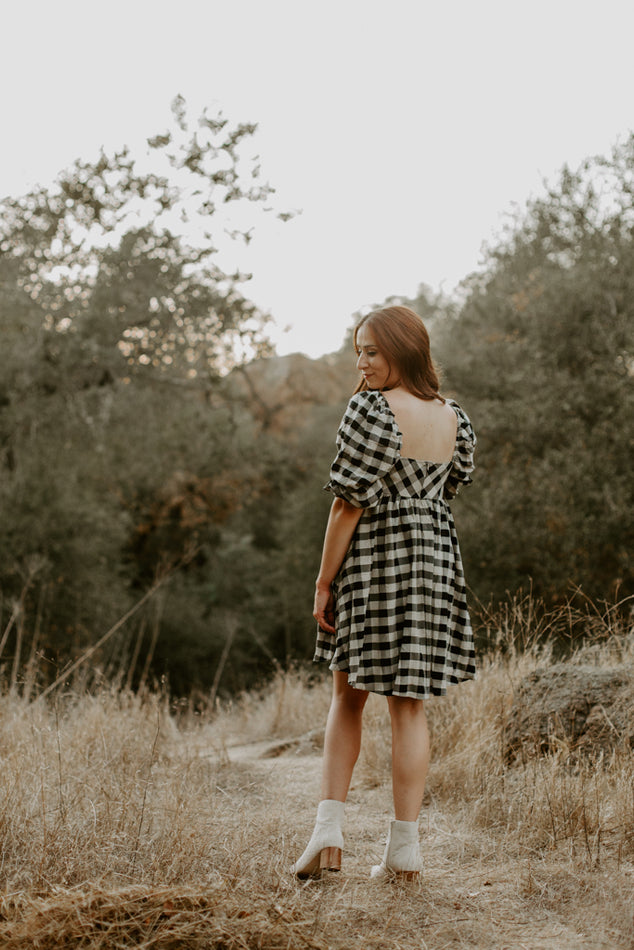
pixel 543 355
pixel 115 323
pixel 121 260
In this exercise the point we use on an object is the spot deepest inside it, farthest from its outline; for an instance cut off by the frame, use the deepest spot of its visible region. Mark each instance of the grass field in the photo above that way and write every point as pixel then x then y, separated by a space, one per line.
pixel 124 823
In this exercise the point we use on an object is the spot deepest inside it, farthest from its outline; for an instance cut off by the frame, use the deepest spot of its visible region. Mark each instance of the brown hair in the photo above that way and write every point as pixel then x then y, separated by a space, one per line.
pixel 404 342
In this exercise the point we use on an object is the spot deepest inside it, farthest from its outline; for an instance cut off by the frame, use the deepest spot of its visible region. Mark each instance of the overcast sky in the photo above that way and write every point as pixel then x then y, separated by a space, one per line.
pixel 402 130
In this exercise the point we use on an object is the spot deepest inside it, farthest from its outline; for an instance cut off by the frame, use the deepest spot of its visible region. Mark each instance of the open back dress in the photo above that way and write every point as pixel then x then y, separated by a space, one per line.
pixel 401 618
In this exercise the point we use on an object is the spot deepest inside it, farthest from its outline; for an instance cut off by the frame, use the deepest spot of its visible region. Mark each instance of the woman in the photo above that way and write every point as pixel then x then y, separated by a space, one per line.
pixel 390 596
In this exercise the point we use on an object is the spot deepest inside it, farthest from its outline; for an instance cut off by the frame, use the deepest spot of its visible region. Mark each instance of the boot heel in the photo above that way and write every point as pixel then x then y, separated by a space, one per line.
pixel 323 852
pixel 402 858
pixel 330 859
pixel 407 875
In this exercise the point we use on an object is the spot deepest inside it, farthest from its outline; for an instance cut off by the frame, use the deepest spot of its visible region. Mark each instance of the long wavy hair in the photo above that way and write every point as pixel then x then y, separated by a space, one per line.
pixel 404 342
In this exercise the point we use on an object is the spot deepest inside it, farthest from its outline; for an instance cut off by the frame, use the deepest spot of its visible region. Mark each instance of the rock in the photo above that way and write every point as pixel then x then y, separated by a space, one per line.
pixel 586 709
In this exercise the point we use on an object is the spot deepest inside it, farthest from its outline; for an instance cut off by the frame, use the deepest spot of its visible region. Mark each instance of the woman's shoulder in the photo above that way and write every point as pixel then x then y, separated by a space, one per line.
pixel 457 408
pixel 368 416
pixel 465 429
pixel 368 404
pixel 366 398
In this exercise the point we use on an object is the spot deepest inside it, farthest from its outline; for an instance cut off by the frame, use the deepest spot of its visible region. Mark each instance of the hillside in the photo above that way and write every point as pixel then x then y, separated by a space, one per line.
pixel 281 391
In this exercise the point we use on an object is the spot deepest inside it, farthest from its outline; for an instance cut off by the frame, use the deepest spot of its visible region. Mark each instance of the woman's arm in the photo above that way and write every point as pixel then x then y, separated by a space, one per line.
pixel 342 523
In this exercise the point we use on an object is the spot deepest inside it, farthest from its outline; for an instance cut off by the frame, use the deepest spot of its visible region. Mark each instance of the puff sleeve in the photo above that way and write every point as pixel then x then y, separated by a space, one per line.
pixel 368 445
pixel 462 463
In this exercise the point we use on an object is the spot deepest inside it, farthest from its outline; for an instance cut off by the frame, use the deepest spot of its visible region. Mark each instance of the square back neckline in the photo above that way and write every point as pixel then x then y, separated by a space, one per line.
pixel 409 458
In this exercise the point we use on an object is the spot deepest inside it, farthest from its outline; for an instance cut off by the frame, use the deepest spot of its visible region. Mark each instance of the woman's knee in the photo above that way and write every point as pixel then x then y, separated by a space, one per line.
pixel 347 696
pixel 405 709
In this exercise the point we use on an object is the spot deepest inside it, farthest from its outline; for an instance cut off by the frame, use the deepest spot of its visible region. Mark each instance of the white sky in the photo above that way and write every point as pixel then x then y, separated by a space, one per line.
pixel 403 130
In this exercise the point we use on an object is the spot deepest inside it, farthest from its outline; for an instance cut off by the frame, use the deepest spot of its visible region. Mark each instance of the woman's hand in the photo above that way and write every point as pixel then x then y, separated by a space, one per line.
pixel 324 609
pixel 342 523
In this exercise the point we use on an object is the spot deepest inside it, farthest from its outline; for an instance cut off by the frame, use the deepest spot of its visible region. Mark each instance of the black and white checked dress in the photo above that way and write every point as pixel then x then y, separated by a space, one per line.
pixel 401 617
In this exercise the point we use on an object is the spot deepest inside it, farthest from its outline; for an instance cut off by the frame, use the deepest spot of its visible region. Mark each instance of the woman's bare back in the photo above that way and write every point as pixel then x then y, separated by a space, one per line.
pixel 428 426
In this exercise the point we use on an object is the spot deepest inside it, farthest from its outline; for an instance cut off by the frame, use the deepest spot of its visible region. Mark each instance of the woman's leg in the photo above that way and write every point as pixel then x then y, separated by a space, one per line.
pixel 342 741
pixel 410 755
pixel 341 750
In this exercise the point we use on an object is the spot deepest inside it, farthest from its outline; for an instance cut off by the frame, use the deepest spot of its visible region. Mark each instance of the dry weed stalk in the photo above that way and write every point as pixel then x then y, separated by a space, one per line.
pixel 122 826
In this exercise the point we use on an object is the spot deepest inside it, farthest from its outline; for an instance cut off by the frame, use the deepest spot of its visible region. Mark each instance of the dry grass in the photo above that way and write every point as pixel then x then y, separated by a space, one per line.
pixel 123 827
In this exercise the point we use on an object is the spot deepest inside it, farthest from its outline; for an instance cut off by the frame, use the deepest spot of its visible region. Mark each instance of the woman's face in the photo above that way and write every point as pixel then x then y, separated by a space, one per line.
pixel 371 362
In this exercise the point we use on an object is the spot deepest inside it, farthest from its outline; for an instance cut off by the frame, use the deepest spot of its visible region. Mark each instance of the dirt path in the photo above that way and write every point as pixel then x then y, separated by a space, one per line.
pixel 473 894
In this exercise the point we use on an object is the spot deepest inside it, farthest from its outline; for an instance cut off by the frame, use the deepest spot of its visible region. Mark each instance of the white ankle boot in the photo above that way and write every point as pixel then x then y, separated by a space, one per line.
pixel 323 852
pixel 402 852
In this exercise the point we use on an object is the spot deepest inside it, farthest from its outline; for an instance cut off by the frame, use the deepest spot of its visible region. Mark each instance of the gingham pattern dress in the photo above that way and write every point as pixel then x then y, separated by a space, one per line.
pixel 401 619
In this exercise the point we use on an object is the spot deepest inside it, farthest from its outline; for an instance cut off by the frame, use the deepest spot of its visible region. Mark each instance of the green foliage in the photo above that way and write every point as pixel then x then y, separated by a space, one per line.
pixel 542 354
pixel 101 262
pixel 119 458
pixel 129 450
